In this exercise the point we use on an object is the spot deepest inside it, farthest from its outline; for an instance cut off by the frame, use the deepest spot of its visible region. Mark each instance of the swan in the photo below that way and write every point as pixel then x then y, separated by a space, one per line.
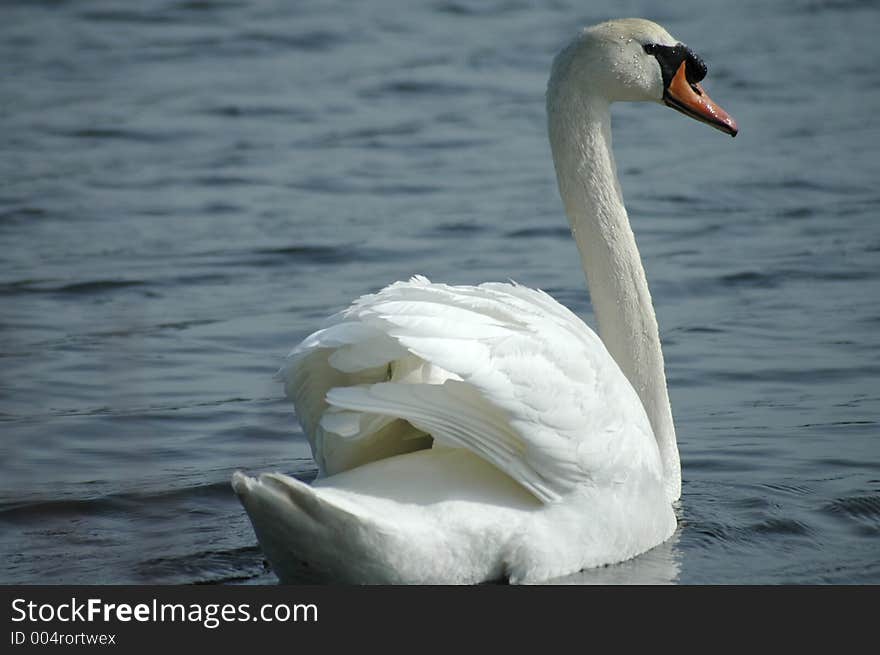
pixel 477 433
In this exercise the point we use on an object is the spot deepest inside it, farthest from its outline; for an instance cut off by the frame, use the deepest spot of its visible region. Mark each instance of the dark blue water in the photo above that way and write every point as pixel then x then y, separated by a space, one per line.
pixel 187 188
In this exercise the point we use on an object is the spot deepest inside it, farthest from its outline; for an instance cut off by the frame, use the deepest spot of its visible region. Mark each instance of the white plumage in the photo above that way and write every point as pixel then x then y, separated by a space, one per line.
pixel 501 370
pixel 525 408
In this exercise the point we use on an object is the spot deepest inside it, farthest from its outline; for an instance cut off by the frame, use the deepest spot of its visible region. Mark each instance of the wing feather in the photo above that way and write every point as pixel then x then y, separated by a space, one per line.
pixel 500 369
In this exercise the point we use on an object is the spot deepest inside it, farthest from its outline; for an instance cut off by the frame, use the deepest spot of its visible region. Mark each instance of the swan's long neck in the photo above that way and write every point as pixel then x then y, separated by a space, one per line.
pixel 580 137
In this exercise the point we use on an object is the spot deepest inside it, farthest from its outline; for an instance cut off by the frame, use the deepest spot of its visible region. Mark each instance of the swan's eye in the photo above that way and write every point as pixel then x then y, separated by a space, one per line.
pixel 650 48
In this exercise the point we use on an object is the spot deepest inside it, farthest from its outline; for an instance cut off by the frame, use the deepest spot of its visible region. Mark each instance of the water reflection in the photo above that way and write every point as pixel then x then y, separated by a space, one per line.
pixel 660 565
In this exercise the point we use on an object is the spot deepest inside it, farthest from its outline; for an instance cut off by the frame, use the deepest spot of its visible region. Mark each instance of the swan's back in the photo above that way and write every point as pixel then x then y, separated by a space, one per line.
pixel 501 370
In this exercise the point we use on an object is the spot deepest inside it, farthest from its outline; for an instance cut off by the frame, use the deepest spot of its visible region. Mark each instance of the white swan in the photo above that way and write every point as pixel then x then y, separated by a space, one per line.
pixel 465 434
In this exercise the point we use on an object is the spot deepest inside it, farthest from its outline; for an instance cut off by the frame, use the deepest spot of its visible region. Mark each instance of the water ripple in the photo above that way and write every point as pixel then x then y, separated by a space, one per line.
pixel 865 509
pixel 207 567
pixel 553 232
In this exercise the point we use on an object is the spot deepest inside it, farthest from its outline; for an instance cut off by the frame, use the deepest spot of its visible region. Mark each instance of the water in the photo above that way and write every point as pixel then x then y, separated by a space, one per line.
pixel 189 187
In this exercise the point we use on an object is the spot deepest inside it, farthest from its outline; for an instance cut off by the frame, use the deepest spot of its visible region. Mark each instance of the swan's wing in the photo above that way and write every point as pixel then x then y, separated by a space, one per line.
pixel 340 355
pixel 502 370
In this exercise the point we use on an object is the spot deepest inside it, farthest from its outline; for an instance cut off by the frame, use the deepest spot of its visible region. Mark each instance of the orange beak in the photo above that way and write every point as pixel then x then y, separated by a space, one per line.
pixel 691 100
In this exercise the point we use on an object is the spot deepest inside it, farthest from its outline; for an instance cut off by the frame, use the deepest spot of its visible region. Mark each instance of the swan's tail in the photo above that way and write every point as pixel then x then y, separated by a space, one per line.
pixel 306 537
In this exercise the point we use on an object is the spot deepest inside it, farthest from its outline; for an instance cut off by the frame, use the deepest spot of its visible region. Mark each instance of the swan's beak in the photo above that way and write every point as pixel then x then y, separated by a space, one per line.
pixel 691 100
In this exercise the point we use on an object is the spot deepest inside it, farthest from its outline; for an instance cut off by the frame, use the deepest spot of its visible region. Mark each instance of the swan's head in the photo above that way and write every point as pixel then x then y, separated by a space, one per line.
pixel 633 59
